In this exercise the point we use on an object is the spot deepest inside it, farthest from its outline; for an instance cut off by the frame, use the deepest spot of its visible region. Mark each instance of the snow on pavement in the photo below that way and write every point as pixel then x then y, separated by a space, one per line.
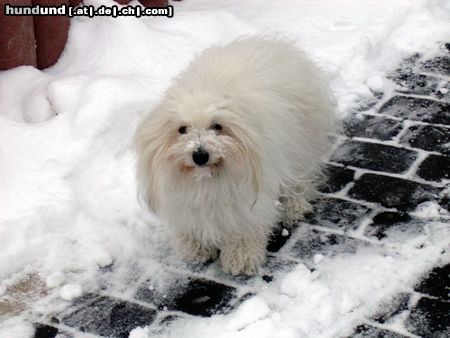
pixel 68 201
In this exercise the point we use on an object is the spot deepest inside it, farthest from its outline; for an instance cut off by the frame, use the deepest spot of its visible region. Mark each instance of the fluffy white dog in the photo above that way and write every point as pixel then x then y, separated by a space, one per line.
pixel 244 126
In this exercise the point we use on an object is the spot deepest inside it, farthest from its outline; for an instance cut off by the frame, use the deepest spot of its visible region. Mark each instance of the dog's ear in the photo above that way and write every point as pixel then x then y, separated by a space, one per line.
pixel 250 150
pixel 151 142
pixel 255 171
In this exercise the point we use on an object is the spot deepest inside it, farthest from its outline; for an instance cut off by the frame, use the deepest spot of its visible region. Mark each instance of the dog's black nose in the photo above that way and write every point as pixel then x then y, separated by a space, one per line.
pixel 200 157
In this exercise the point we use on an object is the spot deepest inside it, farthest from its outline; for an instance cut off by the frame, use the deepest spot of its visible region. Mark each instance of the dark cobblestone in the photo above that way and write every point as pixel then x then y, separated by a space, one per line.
pixel 398 221
pixel 435 168
pixel 438 64
pixel 412 83
pixel 393 308
pixel 367 331
pixel 392 192
pixel 374 156
pixel 278 238
pixel 107 316
pixel 312 242
pixel 200 297
pixel 409 64
pixel 437 283
pixel 337 213
pixel 44 331
pixel 430 318
pixel 336 178
pixel 429 138
pixel 362 125
pixel 366 102
pixel 275 264
pixel 412 108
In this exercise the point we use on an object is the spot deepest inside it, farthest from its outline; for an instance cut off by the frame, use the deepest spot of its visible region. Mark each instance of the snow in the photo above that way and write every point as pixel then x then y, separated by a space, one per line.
pixel 70 291
pixel 104 259
pixel 375 83
pixel 317 258
pixel 54 279
pixel 140 332
pixel 251 311
pixel 16 328
pixel 430 209
pixel 68 200
pixel 296 282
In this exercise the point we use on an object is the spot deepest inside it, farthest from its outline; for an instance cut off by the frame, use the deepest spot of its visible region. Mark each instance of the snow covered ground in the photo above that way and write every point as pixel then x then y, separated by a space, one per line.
pixel 68 206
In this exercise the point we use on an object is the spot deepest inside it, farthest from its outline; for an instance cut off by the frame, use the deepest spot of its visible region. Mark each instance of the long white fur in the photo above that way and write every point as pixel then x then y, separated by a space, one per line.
pixel 276 112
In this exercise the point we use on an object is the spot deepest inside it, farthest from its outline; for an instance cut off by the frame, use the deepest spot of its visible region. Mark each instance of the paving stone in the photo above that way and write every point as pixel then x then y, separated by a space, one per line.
pixel 392 192
pixel 393 308
pixel 44 331
pixel 445 202
pixel 336 213
pixel 365 102
pixel 438 64
pixel 429 138
pixel 161 327
pixel 107 316
pixel 401 222
pixel 435 168
pixel 379 127
pixel 267 278
pixel 367 331
pixel 413 108
pixel 374 156
pixel 276 264
pixel 430 318
pixel 312 242
pixel 437 283
pixel 280 235
pixel 413 83
pixel 336 178
pixel 199 297
pixel 409 64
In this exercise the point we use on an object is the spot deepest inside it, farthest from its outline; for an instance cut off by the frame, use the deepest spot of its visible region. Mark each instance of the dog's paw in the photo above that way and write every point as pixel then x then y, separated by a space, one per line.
pixel 293 208
pixel 192 250
pixel 242 258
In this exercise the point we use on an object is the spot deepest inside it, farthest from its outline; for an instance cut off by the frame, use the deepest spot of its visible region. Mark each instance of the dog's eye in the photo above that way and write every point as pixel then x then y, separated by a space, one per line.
pixel 216 127
pixel 182 130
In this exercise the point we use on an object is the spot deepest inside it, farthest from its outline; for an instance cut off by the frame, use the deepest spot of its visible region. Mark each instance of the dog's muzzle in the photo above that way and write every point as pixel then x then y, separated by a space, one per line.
pixel 200 156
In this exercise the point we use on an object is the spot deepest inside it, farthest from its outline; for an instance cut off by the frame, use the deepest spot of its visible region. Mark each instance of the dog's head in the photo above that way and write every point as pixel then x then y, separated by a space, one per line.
pixel 201 137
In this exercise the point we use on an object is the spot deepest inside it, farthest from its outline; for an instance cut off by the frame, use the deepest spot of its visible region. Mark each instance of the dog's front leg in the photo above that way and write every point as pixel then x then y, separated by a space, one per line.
pixel 294 206
pixel 192 249
pixel 244 255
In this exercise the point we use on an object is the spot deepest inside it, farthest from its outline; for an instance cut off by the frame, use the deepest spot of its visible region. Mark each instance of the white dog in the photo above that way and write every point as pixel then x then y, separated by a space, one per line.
pixel 244 126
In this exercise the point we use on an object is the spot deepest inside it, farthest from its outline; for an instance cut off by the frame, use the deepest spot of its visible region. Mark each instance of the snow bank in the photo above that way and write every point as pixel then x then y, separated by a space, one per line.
pixel 68 196
pixel 354 42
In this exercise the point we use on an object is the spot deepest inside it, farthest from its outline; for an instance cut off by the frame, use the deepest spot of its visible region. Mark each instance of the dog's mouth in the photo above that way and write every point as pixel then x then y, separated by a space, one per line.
pixel 203 171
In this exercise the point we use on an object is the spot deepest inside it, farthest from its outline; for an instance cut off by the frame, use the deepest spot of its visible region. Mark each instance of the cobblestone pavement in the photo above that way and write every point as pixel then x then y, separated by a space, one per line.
pixel 393 155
